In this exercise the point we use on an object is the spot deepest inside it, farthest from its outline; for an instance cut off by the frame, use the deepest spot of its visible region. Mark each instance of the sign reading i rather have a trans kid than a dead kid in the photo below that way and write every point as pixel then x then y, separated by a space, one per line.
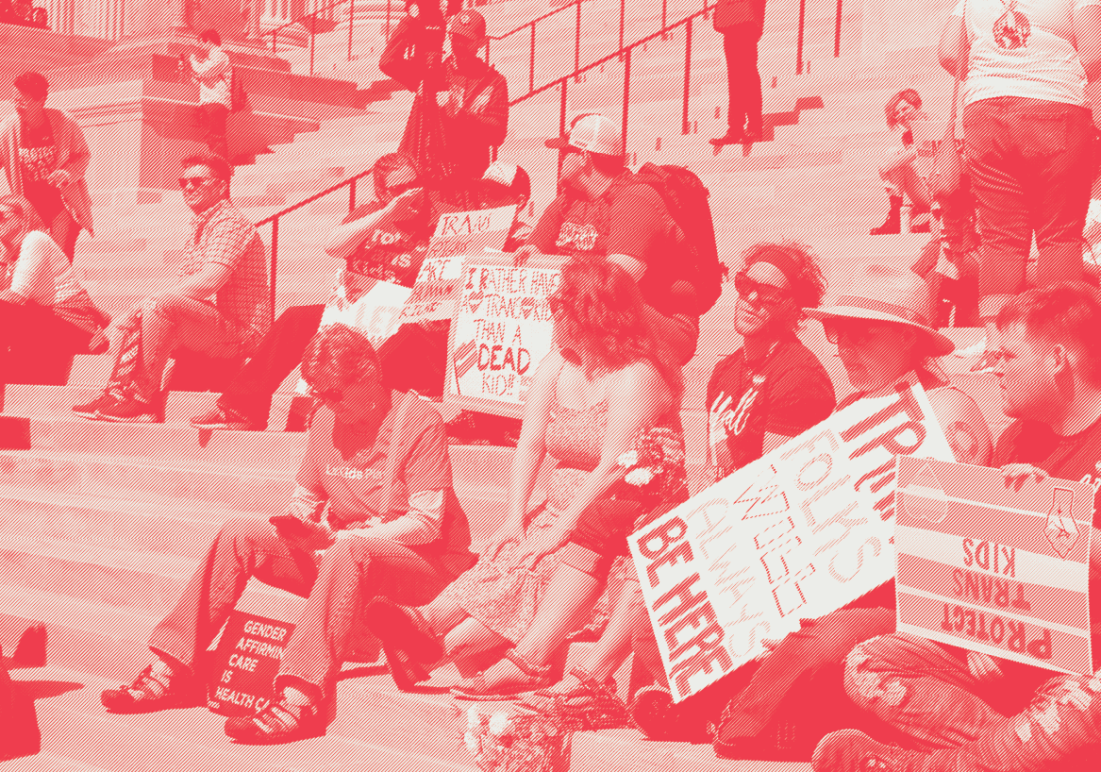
pixel 458 236
pixel 995 567
pixel 501 330
pixel 794 535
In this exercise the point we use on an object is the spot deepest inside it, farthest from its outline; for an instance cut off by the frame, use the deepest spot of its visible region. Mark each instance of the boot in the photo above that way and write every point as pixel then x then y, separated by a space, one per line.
pixel 893 223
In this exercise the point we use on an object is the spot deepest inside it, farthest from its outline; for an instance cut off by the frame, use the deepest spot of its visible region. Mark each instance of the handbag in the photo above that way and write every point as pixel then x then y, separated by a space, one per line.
pixel 944 179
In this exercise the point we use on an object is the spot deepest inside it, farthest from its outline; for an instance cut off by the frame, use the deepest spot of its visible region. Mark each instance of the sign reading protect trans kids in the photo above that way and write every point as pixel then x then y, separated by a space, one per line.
pixel 794 535
pixel 992 568
pixel 501 330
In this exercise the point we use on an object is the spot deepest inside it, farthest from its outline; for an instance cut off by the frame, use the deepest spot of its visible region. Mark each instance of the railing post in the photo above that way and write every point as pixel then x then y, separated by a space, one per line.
pixel 352 195
pixel 837 32
pixel 351 26
pixel 313 36
pixel 274 262
pixel 274 44
pixel 799 44
pixel 561 126
pixel 531 61
pixel 684 127
pixel 577 39
pixel 387 21
pixel 622 17
pixel 626 95
pixel 664 13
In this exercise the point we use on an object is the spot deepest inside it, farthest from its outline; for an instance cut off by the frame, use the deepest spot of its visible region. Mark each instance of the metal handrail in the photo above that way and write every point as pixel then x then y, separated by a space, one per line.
pixel 312 27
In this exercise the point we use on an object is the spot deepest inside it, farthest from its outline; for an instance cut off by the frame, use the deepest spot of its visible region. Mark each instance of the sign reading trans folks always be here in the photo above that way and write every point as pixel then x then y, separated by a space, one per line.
pixel 794 535
pixel 501 330
pixel 992 568
pixel 458 236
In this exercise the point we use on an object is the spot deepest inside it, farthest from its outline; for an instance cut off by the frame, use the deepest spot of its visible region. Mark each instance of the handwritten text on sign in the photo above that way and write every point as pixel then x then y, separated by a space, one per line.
pixel 794 535
pixel 458 235
pixel 365 304
pixel 994 569
pixel 245 664
pixel 501 330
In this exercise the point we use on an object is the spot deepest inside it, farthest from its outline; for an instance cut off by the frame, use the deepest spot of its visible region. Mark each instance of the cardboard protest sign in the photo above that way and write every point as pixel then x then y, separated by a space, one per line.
pixel 794 535
pixel 245 663
pixel 368 305
pixel 993 568
pixel 501 330
pixel 458 235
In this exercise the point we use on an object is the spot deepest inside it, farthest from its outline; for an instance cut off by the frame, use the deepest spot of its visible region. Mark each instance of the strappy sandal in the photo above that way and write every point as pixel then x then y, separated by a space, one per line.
pixel 410 648
pixel 536 677
pixel 589 706
pixel 277 723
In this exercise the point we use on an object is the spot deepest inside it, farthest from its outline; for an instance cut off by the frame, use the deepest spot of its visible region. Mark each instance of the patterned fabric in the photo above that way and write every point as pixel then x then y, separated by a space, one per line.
pixel 222 235
pixel 501 596
pixel 38 163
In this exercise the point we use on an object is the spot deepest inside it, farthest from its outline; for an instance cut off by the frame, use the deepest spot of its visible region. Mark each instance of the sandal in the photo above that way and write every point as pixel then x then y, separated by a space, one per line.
pixel 277 723
pixel 535 677
pixel 412 652
pixel 589 706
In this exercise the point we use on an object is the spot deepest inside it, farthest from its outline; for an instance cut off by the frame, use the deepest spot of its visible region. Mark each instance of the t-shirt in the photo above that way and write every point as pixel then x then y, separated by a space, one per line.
pixel 1077 457
pixel 1026 53
pixel 629 219
pixel 37 161
pixel 394 250
pixel 786 394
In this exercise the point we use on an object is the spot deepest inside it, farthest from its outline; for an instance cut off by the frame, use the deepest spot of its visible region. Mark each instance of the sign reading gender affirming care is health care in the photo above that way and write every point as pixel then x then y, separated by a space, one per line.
pixel 794 535
pixel 501 330
pixel 245 663
pixel 997 568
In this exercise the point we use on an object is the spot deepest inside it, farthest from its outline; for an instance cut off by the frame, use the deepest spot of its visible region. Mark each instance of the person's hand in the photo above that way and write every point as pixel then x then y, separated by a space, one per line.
pixel 481 103
pixel 1016 475
pixel 523 254
pixel 59 178
pixel 716 431
pixel 547 540
pixel 508 533
pixel 983 667
pixel 302 534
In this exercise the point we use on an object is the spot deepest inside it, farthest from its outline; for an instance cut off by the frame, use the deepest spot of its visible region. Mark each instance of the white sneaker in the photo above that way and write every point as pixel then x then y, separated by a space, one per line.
pixel 972 351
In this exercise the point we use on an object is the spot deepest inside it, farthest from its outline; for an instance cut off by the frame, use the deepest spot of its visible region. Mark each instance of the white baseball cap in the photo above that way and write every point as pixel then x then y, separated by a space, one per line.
pixel 591 132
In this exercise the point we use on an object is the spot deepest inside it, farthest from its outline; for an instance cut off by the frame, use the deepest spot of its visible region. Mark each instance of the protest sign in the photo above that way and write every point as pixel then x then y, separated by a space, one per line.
pixel 794 535
pixel 501 330
pixel 245 663
pixel 458 236
pixel 368 305
pixel 995 568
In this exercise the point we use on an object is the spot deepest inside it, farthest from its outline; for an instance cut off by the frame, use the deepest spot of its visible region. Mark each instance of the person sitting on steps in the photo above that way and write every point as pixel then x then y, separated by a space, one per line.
pixel 899 172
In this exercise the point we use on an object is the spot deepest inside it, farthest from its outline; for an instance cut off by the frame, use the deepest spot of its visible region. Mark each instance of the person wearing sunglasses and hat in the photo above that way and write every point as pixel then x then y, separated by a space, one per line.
pixel 795 694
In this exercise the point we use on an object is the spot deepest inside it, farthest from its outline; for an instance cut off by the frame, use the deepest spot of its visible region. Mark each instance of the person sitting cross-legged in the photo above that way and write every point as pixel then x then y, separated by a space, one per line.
pixel 219 306
pixel 964 711
pixel 394 529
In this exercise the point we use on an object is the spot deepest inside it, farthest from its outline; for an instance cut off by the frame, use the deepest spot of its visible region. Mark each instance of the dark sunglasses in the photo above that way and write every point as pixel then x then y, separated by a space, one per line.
pixel 331 396
pixel 767 294
pixel 197 182
pixel 856 333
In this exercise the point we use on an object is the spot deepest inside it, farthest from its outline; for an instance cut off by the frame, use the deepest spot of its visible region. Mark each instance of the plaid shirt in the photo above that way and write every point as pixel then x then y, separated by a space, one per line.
pixel 222 235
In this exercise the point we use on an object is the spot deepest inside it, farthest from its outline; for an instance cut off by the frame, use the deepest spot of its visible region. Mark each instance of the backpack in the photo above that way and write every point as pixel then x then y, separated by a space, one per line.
pixel 686 197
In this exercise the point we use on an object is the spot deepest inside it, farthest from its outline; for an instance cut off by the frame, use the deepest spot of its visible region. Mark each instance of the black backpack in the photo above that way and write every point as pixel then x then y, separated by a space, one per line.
pixel 686 197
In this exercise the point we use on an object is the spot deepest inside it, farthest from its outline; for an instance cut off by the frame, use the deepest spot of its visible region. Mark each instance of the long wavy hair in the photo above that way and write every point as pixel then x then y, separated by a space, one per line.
pixel 598 308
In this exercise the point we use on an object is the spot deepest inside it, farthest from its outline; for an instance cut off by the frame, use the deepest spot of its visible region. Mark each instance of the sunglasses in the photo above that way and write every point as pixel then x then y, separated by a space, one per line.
pixel 767 294
pixel 329 396
pixel 196 182
pixel 855 333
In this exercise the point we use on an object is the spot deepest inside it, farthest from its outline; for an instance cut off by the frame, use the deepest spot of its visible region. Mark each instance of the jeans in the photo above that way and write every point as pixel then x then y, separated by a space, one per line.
pixel 212 118
pixel 1031 165
pixel 64 230
pixel 1027 721
pixel 743 78
pixel 169 323
pixel 36 346
pixel 349 575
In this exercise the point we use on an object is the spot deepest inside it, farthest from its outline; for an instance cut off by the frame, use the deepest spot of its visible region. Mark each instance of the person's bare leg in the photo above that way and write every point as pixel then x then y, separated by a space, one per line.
pixel 913 187
pixel 468 638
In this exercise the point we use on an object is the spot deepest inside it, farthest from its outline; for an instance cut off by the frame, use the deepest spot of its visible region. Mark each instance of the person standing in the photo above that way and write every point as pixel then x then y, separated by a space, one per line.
pixel 741 23
pixel 212 71
pixel 45 157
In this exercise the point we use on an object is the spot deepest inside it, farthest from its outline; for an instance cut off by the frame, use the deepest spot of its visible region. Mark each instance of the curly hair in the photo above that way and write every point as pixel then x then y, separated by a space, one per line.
pixel 598 306
pixel 906 95
pixel 808 286
pixel 339 352
pixel 391 162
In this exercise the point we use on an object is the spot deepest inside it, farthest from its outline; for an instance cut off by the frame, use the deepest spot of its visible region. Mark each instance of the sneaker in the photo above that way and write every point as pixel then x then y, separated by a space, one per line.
pixel 279 722
pixel 129 411
pixel 851 751
pixel 732 137
pixel 151 691
pixel 90 410
pixel 651 711
pixel 219 417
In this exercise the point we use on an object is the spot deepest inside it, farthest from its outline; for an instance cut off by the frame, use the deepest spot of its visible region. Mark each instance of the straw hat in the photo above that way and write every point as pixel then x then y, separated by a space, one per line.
pixel 884 294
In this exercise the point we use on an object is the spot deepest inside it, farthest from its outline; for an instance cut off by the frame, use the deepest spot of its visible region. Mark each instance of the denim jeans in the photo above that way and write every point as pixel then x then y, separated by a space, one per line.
pixel 1031 164
pixel 212 119
pixel 743 78
pixel 349 575
pixel 1031 719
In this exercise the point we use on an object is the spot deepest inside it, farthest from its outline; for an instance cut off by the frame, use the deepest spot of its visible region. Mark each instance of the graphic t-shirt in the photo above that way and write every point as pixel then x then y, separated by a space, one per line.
pixel 37 161
pixel 630 220
pixel 786 394
pixel 394 250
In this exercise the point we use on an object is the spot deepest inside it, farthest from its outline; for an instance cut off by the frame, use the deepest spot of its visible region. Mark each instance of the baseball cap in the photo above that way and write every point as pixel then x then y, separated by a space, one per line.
pixel 469 24
pixel 592 132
